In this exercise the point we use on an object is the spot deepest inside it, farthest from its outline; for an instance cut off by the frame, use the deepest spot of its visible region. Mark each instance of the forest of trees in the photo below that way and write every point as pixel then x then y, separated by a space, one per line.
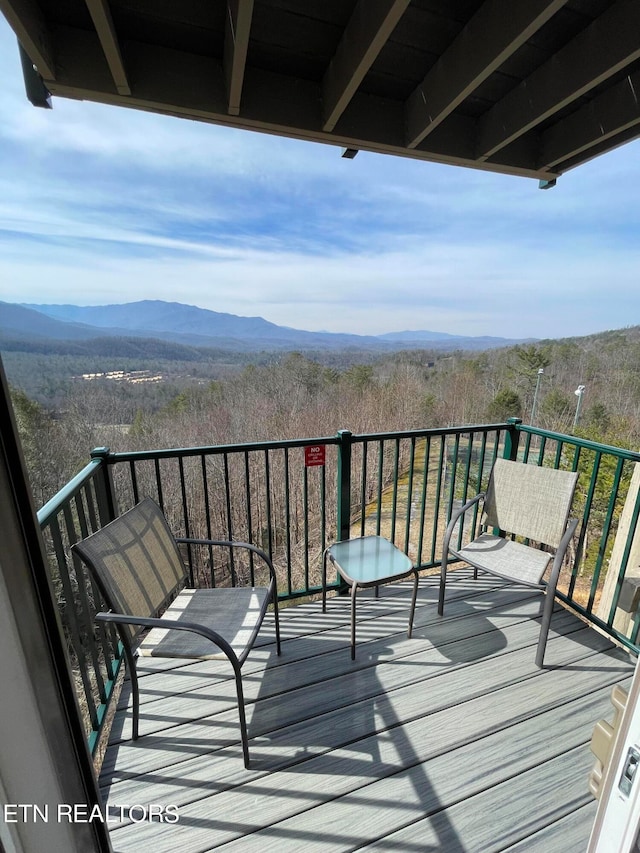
pixel 298 396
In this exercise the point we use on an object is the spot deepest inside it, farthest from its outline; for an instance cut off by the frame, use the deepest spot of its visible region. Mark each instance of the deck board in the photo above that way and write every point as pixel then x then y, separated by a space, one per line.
pixel 566 834
pixel 404 748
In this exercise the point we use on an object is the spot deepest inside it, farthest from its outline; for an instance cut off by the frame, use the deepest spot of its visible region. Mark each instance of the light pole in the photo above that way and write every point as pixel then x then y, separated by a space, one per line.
pixel 578 392
pixel 535 395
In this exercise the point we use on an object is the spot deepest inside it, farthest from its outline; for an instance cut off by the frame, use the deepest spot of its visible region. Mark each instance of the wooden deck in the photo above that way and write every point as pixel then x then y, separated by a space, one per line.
pixel 450 741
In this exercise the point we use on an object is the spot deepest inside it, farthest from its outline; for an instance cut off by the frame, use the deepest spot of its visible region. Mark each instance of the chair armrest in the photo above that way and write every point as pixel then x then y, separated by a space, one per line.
pixel 171 624
pixel 454 520
pixel 183 540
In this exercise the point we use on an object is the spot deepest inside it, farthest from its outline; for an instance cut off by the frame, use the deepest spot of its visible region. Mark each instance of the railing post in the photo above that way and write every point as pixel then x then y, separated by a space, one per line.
pixel 344 484
pixel 512 439
pixel 105 493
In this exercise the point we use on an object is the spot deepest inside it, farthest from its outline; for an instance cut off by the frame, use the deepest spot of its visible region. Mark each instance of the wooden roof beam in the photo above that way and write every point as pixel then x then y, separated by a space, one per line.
pixel 236 44
pixel 103 22
pixel 609 144
pixel 611 114
pixel 601 50
pixel 28 23
pixel 495 32
pixel 366 33
pixel 192 86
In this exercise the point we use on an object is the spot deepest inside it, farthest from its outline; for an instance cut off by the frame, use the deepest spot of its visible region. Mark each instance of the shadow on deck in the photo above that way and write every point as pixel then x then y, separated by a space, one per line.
pixel 450 741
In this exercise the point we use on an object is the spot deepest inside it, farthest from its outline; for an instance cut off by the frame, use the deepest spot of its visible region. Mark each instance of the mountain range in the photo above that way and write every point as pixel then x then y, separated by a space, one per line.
pixel 188 325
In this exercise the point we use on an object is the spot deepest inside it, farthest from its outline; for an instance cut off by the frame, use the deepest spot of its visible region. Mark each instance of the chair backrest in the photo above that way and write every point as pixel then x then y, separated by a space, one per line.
pixel 135 561
pixel 529 501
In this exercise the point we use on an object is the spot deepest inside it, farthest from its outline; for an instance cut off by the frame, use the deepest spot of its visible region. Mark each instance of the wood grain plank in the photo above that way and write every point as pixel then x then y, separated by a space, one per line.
pixel 569 834
pixel 375 807
pixel 353 736
pixel 455 727
pixel 517 808
pixel 172 739
pixel 327 732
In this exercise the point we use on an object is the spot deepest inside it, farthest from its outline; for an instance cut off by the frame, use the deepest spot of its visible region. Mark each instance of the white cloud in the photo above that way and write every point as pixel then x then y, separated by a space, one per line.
pixel 100 204
pixel 420 287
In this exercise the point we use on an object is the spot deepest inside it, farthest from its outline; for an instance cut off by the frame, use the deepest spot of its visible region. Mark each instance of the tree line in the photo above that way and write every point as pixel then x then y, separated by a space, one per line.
pixel 297 396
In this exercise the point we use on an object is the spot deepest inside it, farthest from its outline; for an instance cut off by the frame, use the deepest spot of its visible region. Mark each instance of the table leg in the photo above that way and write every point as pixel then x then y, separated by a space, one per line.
pixel 324 580
pixel 413 602
pixel 354 589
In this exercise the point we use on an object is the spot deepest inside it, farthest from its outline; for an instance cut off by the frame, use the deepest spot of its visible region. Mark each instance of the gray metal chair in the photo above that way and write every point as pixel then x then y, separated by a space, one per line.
pixel 139 571
pixel 529 502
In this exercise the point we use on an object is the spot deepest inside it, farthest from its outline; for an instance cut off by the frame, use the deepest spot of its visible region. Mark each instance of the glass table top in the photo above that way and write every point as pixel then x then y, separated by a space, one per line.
pixel 369 560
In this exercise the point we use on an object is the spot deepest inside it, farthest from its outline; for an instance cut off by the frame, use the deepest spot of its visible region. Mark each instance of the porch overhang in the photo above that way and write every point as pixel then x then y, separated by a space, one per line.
pixel 530 89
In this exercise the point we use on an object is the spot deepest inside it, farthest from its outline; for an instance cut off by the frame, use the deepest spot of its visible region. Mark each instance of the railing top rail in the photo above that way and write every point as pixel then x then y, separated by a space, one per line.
pixel 172 452
pixel 214 449
pixel 103 455
pixel 423 433
pixel 585 443
pixel 68 491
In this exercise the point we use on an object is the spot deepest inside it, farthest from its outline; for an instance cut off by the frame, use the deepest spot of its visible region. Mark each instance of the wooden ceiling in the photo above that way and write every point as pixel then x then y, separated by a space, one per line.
pixel 524 87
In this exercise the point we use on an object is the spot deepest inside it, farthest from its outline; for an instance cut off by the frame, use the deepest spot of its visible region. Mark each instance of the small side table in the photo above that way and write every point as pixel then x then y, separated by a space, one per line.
pixel 365 562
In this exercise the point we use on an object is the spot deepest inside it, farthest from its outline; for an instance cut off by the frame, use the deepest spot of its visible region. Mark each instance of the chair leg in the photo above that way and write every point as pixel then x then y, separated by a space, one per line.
pixel 243 718
pixel 443 583
pixel 546 611
pixel 135 692
pixel 550 594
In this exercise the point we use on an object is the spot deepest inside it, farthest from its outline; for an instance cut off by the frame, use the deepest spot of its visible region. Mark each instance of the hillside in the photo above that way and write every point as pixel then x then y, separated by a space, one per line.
pixel 20 323
pixel 51 360
pixel 71 403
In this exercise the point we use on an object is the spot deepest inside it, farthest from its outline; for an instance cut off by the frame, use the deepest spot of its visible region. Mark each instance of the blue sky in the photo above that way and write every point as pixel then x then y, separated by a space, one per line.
pixel 105 205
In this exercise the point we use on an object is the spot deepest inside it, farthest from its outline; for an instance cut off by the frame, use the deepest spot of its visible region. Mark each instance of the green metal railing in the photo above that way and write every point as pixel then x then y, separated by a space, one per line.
pixel 261 493
pixel 605 474
pixel 83 506
pixel 401 485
